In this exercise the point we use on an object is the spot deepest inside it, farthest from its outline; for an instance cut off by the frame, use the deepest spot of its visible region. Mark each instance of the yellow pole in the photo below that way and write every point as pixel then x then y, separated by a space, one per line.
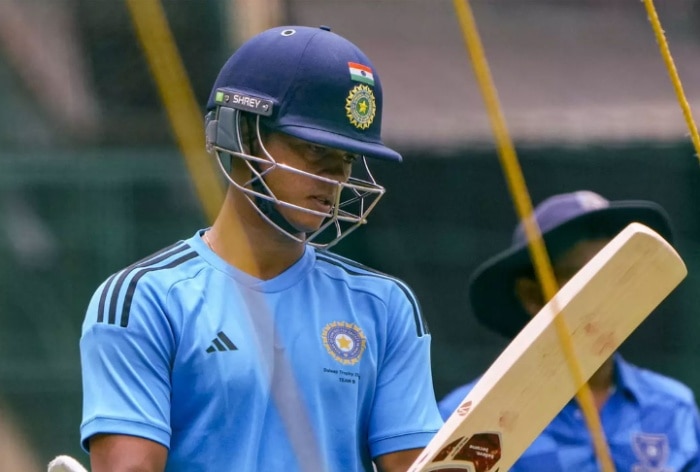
pixel 523 205
pixel 673 74
pixel 185 116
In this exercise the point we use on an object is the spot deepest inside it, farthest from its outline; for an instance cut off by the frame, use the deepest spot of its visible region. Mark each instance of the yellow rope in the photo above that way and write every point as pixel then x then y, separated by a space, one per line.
pixel 675 80
pixel 187 121
pixel 521 198
pixel 180 103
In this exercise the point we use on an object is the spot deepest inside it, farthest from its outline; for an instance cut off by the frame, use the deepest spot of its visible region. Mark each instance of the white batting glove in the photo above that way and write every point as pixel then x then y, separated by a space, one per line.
pixel 65 464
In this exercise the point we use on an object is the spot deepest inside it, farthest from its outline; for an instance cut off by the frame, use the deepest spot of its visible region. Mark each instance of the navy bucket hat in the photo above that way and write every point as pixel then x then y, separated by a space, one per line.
pixel 564 220
pixel 309 83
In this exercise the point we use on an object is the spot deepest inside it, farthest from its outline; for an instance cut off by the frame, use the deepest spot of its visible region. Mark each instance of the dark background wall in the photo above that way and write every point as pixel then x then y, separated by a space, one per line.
pixel 444 216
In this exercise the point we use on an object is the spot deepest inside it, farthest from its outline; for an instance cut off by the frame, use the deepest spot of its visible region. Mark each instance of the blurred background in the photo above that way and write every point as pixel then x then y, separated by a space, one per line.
pixel 92 179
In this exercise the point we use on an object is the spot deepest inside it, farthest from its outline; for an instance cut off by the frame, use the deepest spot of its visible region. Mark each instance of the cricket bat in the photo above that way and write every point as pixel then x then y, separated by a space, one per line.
pixel 530 382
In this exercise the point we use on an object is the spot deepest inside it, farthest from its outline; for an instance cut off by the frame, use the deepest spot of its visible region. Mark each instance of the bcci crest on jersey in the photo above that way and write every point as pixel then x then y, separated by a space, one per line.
pixel 651 451
pixel 345 342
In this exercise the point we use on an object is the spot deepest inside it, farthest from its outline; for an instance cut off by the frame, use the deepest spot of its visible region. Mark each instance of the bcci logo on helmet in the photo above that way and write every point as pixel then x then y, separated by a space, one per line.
pixel 361 106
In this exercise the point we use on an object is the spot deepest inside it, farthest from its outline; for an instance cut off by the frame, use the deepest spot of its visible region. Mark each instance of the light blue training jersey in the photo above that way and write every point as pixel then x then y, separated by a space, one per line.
pixel 651 424
pixel 321 368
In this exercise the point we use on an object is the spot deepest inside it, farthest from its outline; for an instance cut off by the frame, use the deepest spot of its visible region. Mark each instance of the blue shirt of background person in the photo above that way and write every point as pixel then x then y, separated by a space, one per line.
pixel 644 415
pixel 650 421
pixel 250 346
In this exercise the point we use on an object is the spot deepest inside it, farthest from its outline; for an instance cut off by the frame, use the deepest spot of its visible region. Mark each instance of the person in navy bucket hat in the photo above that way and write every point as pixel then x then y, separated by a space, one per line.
pixel 651 421
pixel 563 220
pixel 250 346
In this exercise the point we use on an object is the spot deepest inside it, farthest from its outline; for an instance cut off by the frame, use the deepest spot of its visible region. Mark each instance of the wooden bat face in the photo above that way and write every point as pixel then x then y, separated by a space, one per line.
pixel 530 382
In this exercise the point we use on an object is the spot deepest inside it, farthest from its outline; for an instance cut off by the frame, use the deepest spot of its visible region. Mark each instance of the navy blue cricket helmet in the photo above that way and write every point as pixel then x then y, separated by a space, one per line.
pixel 309 83
pixel 314 85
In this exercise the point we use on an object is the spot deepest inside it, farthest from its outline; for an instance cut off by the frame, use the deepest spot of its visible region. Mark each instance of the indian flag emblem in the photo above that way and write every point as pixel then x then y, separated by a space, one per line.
pixel 360 73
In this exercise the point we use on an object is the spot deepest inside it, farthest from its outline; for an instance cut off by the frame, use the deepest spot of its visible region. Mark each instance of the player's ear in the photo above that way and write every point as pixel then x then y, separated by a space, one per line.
pixel 529 293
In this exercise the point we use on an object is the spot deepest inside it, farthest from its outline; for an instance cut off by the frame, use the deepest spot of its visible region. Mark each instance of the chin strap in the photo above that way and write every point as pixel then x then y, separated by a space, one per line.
pixel 268 208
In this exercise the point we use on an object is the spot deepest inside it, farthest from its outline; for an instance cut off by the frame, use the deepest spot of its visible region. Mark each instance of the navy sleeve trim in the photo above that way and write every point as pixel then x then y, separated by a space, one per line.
pixel 138 269
pixel 354 268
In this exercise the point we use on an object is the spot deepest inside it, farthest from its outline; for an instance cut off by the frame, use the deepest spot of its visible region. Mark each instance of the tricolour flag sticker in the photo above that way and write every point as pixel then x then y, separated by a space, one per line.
pixel 361 73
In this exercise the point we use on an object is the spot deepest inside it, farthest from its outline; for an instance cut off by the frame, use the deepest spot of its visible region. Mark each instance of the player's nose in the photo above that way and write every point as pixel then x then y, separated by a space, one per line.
pixel 337 167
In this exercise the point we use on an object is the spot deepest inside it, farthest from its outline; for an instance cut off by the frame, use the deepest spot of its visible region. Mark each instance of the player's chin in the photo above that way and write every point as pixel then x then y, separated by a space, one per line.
pixel 305 222
pixel 310 225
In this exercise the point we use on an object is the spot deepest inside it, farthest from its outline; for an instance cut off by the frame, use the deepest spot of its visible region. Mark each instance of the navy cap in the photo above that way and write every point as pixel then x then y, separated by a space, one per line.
pixel 564 220
pixel 309 83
